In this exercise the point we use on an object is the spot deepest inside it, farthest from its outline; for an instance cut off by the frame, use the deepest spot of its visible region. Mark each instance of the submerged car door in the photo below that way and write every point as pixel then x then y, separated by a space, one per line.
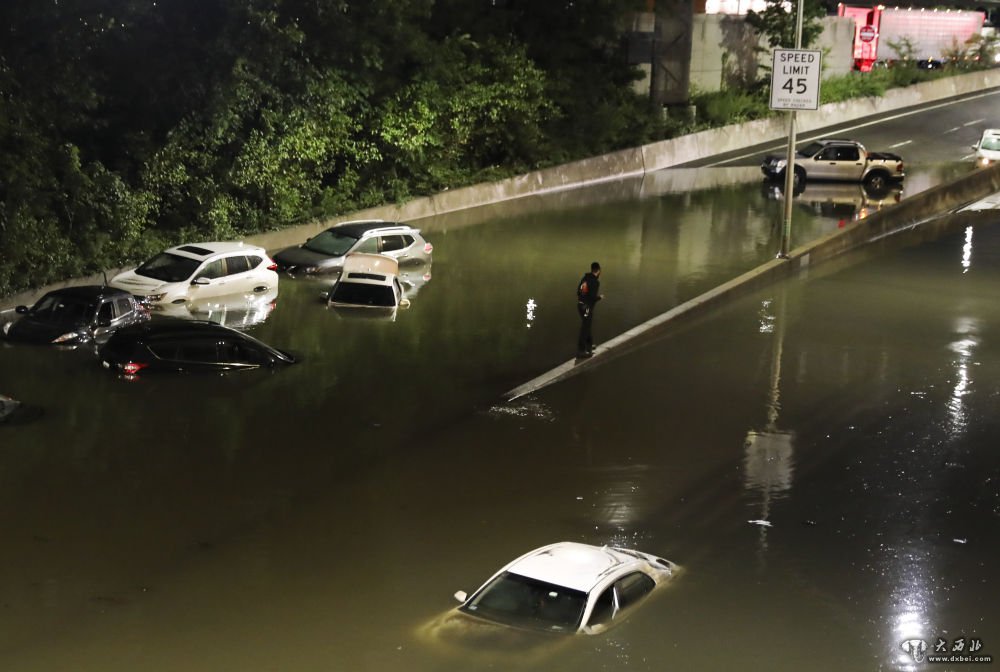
pixel 239 274
pixel 396 246
pixel 209 280
pixel 112 314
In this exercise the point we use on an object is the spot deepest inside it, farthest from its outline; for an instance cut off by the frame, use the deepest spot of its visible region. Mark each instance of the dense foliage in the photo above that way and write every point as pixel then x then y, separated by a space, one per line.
pixel 126 125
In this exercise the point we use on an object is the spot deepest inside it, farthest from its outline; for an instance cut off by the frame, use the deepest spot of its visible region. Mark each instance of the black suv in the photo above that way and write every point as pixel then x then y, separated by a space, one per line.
pixel 75 315
pixel 186 345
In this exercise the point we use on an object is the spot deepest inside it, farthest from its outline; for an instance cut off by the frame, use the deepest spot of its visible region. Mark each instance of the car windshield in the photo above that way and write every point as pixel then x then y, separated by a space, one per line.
pixel 331 243
pixel 811 149
pixel 60 309
pixel 516 600
pixel 360 294
pixel 990 142
pixel 168 267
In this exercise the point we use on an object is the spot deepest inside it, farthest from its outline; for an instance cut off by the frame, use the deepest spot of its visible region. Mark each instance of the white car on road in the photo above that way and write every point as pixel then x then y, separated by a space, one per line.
pixel 988 148
pixel 198 271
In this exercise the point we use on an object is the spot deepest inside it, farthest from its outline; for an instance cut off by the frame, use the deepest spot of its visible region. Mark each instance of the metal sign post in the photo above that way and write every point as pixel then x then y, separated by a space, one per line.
pixel 795 79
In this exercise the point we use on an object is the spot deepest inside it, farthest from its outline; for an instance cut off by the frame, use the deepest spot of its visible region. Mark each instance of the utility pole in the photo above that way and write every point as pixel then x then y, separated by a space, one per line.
pixel 786 229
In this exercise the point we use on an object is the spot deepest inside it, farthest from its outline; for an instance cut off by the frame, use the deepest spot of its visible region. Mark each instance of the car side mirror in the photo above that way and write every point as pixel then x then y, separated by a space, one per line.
pixel 21 310
pixel 404 303
pixel 461 596
pixel 200 281
pixel 975 146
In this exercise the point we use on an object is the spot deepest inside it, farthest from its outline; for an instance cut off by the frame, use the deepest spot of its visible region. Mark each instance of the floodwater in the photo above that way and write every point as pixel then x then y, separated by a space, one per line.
pixel 320 517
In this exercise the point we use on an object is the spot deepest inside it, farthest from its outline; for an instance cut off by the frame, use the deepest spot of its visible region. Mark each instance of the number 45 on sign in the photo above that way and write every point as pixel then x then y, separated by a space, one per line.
pixel 795 77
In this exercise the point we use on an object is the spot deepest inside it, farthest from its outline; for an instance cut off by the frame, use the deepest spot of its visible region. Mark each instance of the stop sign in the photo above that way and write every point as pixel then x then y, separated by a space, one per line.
pixel 867 33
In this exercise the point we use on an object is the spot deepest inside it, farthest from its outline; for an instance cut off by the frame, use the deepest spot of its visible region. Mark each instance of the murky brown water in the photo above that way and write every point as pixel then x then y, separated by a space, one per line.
pixel 319 517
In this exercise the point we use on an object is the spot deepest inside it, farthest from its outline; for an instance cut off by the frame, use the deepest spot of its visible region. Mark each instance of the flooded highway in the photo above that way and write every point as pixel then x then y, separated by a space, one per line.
pixel 819 458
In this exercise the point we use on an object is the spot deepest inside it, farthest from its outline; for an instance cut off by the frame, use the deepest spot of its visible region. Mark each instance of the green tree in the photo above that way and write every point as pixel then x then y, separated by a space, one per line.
pixel 777 23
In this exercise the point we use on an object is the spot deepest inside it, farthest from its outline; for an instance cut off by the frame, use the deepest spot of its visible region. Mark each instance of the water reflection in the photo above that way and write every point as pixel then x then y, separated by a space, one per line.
pixel 238 311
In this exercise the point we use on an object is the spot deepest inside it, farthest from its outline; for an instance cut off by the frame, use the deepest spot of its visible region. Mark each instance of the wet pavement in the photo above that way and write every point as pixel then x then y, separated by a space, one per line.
pixel 318 518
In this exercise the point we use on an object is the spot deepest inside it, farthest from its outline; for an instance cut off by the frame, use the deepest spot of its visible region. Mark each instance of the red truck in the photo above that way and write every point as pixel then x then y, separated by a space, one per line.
pixel 930 31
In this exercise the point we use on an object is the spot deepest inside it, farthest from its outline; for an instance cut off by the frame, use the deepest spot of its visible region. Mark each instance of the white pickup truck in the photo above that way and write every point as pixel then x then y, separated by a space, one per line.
pixel 843 160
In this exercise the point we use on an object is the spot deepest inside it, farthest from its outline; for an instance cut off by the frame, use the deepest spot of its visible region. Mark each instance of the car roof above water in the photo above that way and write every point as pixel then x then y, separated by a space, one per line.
pixel 203 250
pixel 571 564
pixel 358 228
pixel 90 292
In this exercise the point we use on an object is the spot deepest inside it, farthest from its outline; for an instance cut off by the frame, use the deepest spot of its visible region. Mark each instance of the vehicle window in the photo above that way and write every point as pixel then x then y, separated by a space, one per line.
pixel 107 311
pixel 604 608
pixel 187 350
pixel 407 241
pixel 254 260
pixel 360 294
pixel 123 307
pixel 990 142
pixel 212 270
pixel 848 154
pixel 828 154
pixel 518 600
pixel 59 309
pixel 369 246
pixel 809 149
pixel 633 588
pixel 393 243
pixel 168 267
pixel 237 264
pixel 240 353
pixel 331 243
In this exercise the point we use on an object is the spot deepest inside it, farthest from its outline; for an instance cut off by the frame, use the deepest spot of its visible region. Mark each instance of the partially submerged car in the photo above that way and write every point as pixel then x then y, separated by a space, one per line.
pixel 325 252
pixel 200 271
pixel 840 160
pixel 988 148
pixel 566 588
pixel 368 281
pixel 75 315
pixel 168 344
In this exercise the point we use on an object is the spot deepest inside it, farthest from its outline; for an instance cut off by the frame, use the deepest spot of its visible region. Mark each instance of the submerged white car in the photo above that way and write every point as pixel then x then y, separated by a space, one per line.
pixel 988 148
pixel 369 281
pixel 190 273
pixel 567 587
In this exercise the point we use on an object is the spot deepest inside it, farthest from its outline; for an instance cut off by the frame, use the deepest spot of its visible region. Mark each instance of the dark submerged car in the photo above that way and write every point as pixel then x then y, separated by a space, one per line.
pixel 187 345
pixel 75 315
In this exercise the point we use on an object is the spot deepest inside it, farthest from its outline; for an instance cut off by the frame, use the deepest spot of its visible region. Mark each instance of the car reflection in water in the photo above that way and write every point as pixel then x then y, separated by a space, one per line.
pixel 836 200
pixel 237 311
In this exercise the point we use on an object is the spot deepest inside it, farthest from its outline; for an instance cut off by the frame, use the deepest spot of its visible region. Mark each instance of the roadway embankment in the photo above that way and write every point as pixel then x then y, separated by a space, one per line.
pixel 647 159
pixel 927 211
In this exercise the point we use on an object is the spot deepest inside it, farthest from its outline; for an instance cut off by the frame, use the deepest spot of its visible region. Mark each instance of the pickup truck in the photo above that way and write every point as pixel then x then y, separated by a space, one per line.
pixel 844 160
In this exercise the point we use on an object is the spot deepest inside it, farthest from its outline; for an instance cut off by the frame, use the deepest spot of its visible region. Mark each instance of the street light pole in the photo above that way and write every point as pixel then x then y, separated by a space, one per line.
pixel 786 231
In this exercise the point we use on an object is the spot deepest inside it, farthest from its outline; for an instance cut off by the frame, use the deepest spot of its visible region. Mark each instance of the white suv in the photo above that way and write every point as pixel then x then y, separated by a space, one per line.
pixel 199 271
pixel 325 252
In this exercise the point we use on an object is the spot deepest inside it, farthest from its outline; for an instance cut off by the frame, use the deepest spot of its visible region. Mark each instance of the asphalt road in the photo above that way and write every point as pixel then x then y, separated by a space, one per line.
pixel 938 133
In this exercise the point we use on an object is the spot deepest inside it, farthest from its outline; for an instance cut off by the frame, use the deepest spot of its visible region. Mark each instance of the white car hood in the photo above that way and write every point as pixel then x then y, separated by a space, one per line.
pixel 991 154
pixel 136 284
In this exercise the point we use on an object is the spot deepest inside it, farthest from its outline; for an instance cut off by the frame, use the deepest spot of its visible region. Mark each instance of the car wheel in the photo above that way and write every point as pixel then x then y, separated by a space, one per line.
pixel 800 176
pixel 877 181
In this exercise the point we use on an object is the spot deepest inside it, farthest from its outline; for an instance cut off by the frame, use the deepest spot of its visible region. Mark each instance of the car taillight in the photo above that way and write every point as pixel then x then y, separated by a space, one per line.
pixel 273 265
pixel 132 368
pixel 899 168
pixel 428 248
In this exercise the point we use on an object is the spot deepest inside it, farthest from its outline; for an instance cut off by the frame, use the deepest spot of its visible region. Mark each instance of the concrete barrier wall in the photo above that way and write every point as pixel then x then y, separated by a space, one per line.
pixel 645 159
pixel 910 215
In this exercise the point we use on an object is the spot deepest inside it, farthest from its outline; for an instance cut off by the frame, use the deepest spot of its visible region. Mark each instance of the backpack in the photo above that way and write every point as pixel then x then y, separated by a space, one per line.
pixel 583 289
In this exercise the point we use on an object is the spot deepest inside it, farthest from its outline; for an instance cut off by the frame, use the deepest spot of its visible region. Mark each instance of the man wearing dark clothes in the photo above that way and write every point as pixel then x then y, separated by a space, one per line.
pixel 587 296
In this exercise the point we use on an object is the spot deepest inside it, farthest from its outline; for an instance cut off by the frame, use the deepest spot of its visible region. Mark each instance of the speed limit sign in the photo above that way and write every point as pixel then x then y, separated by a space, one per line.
pixel 795 77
